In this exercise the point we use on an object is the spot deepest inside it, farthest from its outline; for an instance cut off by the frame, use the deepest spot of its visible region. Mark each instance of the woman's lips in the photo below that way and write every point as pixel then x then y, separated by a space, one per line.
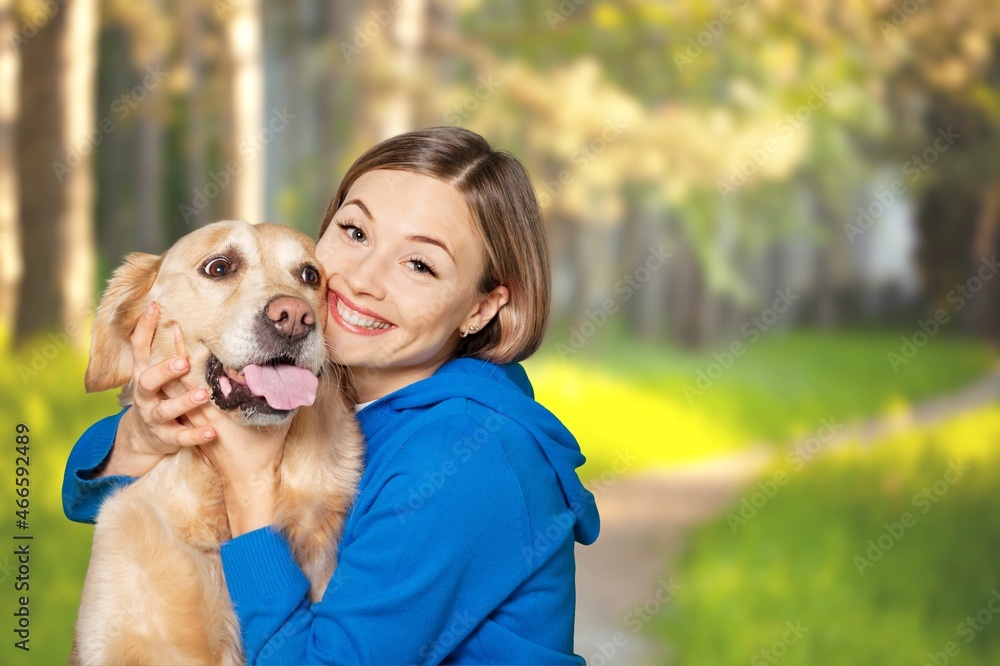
pixel 355 318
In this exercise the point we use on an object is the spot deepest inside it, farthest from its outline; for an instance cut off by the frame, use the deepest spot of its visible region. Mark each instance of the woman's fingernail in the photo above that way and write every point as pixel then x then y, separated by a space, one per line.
pixel 200 395
pixel 151 309
pixel 208 434
pixel 179 364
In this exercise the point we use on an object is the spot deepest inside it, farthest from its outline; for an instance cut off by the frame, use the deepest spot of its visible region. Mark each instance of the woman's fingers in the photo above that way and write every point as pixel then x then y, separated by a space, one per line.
pixel 171 409
pixel 155 378
pixel 164 405
pixel 189 435
pixel 149 381
pixel 179 341
pixel 142 336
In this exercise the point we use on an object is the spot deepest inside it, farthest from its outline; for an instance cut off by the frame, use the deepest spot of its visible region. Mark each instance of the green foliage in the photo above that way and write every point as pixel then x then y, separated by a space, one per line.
pixel 43 388
pixel 804 558
pixel 621 399
pixel 630 398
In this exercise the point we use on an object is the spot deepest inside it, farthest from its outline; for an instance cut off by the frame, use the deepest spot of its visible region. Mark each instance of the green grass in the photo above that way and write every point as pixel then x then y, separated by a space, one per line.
pixel 622 400
pixel 631 397
pixel 797 559
pixel 50 399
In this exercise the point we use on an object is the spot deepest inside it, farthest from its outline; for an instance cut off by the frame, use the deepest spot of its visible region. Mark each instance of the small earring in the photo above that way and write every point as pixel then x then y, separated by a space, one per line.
pixel 470 329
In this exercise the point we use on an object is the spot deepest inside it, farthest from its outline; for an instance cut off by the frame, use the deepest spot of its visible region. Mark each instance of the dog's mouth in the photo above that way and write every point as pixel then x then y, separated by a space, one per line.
pixel 275 386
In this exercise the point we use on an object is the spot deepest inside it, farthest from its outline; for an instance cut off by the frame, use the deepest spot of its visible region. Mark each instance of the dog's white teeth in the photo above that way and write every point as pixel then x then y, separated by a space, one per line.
pixel 236 376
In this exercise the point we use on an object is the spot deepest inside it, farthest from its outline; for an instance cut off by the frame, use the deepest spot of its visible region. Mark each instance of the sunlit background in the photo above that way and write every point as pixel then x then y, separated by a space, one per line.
pixel 774 227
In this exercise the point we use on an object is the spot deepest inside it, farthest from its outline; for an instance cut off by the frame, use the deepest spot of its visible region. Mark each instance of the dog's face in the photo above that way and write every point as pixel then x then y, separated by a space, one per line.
pixel 250 303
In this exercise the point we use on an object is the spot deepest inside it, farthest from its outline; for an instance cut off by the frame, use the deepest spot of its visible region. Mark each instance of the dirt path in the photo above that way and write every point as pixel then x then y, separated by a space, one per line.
pixel 624 578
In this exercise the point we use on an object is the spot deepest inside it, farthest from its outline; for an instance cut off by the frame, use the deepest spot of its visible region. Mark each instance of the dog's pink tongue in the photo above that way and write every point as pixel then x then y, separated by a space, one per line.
pixel 283 386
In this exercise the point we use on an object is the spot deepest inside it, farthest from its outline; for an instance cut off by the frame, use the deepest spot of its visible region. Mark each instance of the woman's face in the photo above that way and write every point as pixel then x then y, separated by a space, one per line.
pixel 403 263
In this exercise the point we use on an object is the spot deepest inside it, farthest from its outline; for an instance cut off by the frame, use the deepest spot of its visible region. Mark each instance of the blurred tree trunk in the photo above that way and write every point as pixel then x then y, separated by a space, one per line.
pixel 826 302
pixel 408 35
pixel 300 140
pixel 576 248
pixel 54 157
pixel 332 93
pixel 243 28
pixel 688 291
pixel 116 174
pixel 644 231
pixel 192 35
pixel 442 24
pixel 958 224
pixel 151 237
pixel 984 310
pixel 10 239
pixel 946 217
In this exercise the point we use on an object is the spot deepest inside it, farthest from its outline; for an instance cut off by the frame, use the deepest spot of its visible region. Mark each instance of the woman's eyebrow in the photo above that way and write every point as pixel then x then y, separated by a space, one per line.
pixel 432 241
pixel 364 209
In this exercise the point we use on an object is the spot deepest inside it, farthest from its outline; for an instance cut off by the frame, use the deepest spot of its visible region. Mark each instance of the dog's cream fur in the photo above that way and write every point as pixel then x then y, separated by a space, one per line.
pixel 155 592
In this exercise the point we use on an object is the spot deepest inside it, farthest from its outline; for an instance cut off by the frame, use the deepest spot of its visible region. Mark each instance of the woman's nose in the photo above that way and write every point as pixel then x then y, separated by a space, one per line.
pixel 367 276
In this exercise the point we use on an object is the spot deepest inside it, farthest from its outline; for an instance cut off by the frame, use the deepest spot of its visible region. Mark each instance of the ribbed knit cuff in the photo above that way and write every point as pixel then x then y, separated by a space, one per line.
pixel 259 565
pixel 94 459
pixel 82 493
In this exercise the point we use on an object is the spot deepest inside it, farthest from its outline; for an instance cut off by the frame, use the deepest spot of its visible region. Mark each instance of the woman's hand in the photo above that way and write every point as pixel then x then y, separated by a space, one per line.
pixel 166 415
pixel 248 459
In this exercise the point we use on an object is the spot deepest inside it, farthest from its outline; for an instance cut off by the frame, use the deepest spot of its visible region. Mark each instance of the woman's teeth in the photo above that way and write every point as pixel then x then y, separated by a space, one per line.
pixel 355 319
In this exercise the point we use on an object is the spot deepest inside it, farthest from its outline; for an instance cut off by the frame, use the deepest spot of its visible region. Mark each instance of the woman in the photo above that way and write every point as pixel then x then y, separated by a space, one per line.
pixel 459 546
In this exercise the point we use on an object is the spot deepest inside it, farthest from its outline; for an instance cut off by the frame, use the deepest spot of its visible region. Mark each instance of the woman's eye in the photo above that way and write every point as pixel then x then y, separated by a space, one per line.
pixel 310 275
pixel 218 267
pixel 353 232
pixel 421 267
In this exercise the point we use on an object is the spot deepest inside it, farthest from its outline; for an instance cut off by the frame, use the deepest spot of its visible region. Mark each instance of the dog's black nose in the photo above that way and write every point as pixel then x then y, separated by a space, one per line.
pixel 291 316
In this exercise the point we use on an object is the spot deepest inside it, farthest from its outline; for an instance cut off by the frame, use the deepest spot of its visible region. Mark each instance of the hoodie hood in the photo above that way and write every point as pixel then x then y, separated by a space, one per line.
pixel 506 390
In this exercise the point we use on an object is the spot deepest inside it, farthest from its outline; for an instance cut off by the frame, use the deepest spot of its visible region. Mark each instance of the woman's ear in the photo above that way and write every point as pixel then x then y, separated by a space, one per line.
pixel 486 308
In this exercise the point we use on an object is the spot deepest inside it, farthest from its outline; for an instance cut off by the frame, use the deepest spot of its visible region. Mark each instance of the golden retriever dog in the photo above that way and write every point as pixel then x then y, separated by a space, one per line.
pixel 250 301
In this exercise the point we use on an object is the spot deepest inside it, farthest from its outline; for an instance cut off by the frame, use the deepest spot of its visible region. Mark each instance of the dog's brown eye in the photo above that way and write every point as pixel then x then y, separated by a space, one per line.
pixel 218 267
pixel 310 275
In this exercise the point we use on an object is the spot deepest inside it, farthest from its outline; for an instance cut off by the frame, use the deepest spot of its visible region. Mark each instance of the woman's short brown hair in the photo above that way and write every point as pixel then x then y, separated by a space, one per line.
pixel 502 201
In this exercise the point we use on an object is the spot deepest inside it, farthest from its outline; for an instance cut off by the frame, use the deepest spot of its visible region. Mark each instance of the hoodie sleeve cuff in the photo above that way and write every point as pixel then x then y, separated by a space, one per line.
pixel 259 566
pixel 94 448
pixel 82 493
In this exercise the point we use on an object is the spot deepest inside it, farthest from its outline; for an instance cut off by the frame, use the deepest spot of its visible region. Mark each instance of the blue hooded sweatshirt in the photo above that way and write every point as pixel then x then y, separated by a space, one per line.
pixel 459 546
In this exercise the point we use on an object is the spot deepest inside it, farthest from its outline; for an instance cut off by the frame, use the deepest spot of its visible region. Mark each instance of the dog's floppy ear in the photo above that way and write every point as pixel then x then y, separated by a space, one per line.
pixel 121 306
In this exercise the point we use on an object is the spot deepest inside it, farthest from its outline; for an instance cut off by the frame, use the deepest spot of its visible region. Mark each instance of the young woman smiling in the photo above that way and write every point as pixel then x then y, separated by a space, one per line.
pixel 459 547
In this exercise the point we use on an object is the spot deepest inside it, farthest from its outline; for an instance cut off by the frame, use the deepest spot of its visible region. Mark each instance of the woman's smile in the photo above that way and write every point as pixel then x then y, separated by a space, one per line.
pixel 354 318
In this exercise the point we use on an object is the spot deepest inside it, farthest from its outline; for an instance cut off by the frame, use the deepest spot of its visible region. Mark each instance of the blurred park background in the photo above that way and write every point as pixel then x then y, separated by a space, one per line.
pixel 774 227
